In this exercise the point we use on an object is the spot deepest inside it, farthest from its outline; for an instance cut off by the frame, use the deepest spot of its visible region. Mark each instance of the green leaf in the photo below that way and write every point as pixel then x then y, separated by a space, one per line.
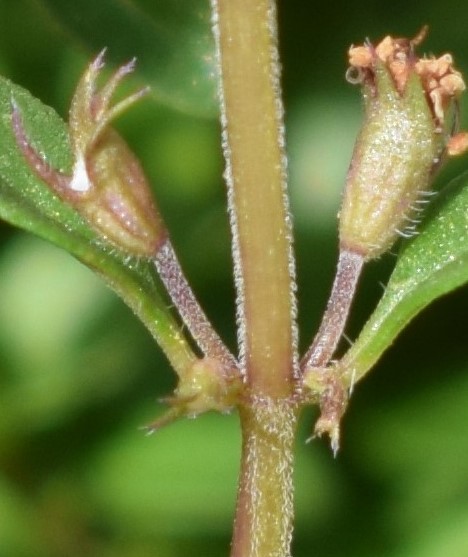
pixel 429 266
pixel 171 39
pixel 28 203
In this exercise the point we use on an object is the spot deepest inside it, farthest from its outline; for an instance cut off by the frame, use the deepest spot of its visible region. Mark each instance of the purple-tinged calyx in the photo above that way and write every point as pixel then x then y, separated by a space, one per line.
pixel 107 186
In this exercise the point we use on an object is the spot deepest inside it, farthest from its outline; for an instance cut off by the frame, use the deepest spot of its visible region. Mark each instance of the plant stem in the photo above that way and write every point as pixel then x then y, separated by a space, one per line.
pixel 263 526
pixel 334 319
pixel 253 142
pixel 200 328
pixel 256 177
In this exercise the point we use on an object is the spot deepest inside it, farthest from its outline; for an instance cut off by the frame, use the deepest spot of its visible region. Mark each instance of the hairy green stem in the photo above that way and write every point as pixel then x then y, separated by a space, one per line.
pixel 253 142
pixel 256 178
pixel 263 526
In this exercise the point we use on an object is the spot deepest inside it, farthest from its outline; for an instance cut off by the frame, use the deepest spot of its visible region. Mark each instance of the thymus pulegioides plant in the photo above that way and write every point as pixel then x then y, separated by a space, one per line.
pixel 99 207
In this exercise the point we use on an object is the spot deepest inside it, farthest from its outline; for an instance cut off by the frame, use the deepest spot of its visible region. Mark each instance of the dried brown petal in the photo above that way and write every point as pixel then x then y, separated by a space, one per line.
pixel 458 144
pixel 441 82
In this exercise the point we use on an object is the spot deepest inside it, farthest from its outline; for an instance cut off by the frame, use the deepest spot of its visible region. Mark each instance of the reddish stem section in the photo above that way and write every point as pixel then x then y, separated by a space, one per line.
pixel 200 328
pixel 335 316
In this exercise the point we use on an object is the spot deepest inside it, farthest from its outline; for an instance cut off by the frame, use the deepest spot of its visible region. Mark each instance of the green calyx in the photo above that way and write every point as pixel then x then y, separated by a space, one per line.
pixel 207 385
pixel 396 152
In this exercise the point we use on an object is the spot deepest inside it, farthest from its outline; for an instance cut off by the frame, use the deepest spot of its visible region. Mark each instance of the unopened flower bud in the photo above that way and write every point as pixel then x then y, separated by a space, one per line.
pixel 204 387
pixel 400 143
pixel 107 186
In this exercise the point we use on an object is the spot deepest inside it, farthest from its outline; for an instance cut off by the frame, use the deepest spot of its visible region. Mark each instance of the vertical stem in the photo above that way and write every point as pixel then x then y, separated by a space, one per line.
pixel 335 316
pixel 253 142
pixel 263 526
pixel 253 134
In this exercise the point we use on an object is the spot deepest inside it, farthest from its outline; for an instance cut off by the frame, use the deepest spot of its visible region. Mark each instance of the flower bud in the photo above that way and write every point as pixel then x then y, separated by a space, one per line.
pixel 107 186
pixel 206 386
pixel 400 144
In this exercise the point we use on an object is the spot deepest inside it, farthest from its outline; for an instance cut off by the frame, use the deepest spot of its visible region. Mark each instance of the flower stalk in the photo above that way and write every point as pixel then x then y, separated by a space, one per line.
pixel 336 314
pixel 208 340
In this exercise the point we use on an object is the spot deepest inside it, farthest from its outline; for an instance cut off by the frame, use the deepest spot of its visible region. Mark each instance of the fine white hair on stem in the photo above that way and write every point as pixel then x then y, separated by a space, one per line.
pixel 200 328
pixel 336 314
pixel 228 176
pixel 274 76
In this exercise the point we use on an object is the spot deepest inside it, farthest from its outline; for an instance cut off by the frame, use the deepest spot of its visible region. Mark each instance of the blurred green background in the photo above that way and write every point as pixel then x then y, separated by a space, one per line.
pixel 79 375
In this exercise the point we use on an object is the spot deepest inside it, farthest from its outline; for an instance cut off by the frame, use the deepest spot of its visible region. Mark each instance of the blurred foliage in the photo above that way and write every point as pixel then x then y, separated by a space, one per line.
pixel 175 49
pixel 79 374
